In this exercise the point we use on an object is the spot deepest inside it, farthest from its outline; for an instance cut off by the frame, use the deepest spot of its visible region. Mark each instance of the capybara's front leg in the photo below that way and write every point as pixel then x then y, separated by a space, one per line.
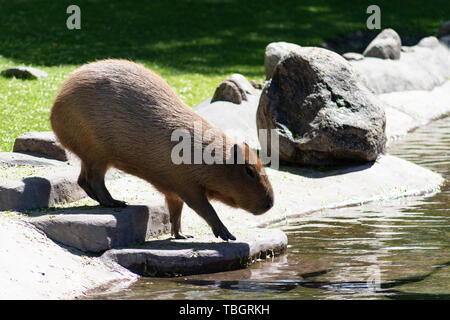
pixel 200 204
pixel 175 207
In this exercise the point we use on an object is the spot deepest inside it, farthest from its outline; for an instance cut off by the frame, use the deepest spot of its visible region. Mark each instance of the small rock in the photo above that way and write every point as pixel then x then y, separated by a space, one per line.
pixel 444 30
pixel 24 73
pixel 228 91
pixel 321 112
pixel 97 229
pixel 387 45
pixel 429 42
pixel 234 88
pixel 256 85
pixel 42 143
pixel 353 56
pixel 276 51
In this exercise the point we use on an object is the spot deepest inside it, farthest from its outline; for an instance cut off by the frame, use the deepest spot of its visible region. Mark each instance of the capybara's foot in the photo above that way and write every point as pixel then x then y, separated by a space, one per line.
pixel 180 235
pixel 223 233
pixel 114 204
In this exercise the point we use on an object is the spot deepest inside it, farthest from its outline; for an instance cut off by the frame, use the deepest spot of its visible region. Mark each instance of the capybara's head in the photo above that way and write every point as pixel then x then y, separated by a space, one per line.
pixel 248 186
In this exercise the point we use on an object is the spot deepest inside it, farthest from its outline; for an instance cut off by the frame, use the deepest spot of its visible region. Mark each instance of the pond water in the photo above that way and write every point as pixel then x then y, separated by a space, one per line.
pixel 396 249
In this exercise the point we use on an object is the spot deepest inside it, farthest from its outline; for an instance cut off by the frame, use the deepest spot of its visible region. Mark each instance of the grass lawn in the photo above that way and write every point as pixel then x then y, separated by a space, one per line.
pixel 193 44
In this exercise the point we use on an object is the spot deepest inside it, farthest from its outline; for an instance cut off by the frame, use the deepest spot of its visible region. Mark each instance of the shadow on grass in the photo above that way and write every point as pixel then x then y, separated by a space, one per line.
pixel 204 36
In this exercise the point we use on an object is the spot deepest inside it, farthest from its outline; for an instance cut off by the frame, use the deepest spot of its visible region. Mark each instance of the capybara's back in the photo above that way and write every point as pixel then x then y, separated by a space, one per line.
pixel 116 113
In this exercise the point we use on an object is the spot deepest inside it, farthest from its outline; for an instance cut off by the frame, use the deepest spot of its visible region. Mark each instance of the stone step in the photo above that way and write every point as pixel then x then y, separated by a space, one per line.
pixel 30 182
pixel 41 143
pixel 18 159
pixel 184 257
pixel 97 229
pixel 41 189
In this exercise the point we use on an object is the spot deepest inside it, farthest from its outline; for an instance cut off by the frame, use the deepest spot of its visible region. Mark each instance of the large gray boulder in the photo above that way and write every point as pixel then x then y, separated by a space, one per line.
pixel 387 45
pixel 275 52
pixel 321 112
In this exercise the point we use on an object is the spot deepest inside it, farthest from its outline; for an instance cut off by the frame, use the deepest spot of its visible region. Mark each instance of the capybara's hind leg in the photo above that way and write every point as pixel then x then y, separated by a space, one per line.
pixel 83 183
pixel 175 207
pixel 96 181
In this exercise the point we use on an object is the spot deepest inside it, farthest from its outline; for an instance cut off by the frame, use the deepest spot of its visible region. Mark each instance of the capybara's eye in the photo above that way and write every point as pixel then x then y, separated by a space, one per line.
pixel 249 172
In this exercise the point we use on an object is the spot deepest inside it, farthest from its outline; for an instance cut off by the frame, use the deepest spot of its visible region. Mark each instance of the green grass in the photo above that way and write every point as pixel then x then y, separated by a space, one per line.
pixel 193 44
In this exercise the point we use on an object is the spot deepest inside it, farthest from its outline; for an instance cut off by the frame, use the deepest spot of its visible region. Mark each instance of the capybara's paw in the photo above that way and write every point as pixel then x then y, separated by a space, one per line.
pixel 115 204
pixel 223 233
pixel 182 236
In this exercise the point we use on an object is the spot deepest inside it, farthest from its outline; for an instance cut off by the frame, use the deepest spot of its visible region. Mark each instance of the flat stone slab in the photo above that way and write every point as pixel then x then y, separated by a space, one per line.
pixel 408 110
pixel 35 267
pixel 18 159
pixel 40 189
pixel 41 143
pixel 97 229
pixel 184 257
pixel 30 182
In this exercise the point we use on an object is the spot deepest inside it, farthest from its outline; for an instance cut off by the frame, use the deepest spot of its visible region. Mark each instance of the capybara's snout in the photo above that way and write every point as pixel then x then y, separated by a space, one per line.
pixel 265 205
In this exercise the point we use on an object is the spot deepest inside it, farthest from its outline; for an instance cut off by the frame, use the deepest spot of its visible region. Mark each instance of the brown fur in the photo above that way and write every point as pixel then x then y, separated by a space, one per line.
pixel 116 113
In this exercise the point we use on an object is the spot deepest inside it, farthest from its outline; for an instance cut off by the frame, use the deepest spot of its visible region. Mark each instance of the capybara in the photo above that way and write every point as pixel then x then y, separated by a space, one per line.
pixel 117 113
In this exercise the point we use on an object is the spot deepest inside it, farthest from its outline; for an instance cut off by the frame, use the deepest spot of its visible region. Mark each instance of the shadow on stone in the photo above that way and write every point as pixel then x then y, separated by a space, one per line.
pixel 322 172
pixel 36 193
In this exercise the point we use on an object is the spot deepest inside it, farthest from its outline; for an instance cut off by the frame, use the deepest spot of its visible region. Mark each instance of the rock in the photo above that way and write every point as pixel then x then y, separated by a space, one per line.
pixel 24 73
pixel 387 45
pixel 234 88
pixel 444 30
pixel 40 191
pixel 445 40
pixel 421 67
pixel 33 267
pixel 97 229
pixel 353 56
pixel 256 85
pixel 228 91
pixel 174 258
pixel 276 51
pixel 15 159
pixel 429 42
pixel 322 113
pixel 42 143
